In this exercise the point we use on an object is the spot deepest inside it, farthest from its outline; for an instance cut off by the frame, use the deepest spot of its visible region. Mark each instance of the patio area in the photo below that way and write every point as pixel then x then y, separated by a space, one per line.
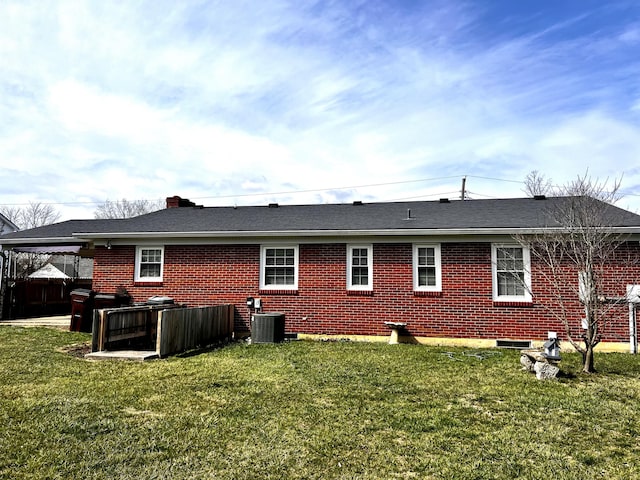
pixel 59 321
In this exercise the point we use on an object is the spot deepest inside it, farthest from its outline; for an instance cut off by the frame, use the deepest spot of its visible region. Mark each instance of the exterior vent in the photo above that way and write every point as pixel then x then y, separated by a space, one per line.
pixel 517 344
pixel 539 197
pixel 409 217
pixel 273 205
pixel 357 203
pixel 444 200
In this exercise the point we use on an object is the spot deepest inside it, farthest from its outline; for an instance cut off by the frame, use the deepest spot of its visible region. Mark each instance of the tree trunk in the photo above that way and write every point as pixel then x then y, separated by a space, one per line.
pixel 588 365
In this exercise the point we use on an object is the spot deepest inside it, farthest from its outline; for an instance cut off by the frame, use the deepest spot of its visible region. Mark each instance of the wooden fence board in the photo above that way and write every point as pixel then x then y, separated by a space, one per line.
pixel 186 328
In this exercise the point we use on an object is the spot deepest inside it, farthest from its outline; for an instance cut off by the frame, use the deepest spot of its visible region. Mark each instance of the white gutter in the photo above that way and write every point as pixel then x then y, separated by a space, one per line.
pixel 328 233
pixel 42 241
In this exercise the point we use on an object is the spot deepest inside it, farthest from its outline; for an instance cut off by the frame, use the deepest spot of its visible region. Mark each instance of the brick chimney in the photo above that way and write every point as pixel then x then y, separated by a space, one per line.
pixel 177 202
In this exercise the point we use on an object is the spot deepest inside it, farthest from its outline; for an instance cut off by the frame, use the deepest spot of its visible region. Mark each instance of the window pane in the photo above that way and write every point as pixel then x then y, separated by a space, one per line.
pixel 149 270
pixel 426 276
pixel 151 255
pixel 280 276
pixel 360 276
pixel 511 283
pixel 510 259
pixel 426 256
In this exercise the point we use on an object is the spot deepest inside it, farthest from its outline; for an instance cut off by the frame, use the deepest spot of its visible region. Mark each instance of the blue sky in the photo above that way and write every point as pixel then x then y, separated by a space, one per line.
pixel 251 102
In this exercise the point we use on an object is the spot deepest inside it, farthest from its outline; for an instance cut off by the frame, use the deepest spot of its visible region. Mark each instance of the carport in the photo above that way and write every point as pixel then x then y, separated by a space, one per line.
pixel 39 296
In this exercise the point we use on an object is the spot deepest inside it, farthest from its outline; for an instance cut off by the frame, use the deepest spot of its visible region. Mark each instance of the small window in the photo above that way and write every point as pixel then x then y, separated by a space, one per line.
pixel 279 268
pixel 360 267
pixel 426 268
pixel 511 273
pixel 149 264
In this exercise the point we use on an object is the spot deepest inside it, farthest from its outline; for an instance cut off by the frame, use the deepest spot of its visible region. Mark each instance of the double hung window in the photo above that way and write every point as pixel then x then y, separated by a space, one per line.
pixel 511 266
pixel 360 267
pixel 149 264
pixel 279 267
pixel 426 268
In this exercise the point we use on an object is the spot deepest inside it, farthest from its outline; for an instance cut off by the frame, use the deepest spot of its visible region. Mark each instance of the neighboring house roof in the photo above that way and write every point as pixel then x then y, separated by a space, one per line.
pixel 49 271
pixel 65 266
pixel 457 217
pixel 6 225
pixel 73 266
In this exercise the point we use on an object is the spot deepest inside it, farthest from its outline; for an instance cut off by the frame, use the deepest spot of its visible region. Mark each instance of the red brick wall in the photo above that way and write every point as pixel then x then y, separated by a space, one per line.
pixel 214 274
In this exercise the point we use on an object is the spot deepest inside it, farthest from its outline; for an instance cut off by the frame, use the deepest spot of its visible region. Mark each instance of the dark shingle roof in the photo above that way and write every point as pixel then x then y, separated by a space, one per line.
pixel 61 230
pixel 471 216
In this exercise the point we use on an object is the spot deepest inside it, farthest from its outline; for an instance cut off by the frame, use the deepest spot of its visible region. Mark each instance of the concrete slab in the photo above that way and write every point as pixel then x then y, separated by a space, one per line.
pixel 133 355
pixel 61 321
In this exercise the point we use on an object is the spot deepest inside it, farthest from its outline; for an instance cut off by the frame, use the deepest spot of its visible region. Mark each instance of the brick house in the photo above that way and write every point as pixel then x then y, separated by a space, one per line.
pixel 342 270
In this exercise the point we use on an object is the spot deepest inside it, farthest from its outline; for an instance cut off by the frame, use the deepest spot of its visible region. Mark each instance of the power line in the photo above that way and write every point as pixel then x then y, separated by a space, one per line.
pixel 290 192
pixel 294 192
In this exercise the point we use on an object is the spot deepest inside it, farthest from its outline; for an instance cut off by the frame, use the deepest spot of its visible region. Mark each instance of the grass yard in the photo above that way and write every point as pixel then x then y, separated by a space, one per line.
pixel 306 410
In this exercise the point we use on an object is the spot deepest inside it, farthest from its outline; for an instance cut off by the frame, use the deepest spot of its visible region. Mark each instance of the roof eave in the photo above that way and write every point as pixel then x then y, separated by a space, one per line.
pixel 7 242
pixel 321 233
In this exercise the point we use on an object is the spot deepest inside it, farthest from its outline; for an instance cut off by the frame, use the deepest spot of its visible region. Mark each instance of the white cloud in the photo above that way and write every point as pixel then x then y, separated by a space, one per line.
pixel 206 99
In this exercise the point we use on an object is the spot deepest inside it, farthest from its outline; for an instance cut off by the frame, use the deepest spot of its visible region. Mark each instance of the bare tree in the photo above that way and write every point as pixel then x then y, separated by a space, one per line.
pixel 536 183
pixel 33 215
pixel 127 208
pixel 579 255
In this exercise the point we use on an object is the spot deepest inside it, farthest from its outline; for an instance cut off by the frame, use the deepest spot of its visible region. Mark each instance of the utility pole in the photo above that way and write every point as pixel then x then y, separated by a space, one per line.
pixel 463 192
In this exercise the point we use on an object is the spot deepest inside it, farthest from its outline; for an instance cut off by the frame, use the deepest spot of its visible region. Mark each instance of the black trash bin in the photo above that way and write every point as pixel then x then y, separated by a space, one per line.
pixel 81 310
pixel 110 300
pixel 267 328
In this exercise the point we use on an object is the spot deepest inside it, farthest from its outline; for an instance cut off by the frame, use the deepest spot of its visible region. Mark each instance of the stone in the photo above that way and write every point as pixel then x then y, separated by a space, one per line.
pixel 545 371
pixel 527 363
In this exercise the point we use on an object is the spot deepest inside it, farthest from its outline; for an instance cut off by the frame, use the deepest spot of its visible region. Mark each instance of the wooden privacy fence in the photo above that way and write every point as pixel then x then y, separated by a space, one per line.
pixel 39 297
pixel 163 328
pixel 185 328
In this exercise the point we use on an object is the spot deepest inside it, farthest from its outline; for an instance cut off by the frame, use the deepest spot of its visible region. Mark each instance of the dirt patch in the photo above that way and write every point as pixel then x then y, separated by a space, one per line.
pixel 78 350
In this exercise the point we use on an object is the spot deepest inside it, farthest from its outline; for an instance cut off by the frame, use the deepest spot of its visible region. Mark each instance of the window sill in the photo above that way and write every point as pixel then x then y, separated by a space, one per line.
pixel 147 284
pixel 360 293
pixel 426 293
pixel 519 304
pixel 267 291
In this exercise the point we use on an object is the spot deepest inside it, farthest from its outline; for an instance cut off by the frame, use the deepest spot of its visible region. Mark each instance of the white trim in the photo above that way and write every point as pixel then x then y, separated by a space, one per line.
pixel 437 264
pixel 429 232
pixel 369 285
pixel 526 260
pixel 263 256
pixel 139 249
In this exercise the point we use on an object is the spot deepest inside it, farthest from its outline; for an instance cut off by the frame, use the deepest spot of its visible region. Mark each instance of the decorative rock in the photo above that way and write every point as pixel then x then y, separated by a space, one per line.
pixel 545 371
pixel 527 363
pixel 534 355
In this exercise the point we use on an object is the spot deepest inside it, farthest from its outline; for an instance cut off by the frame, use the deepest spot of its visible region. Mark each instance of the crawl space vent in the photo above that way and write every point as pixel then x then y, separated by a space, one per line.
pixel 513 344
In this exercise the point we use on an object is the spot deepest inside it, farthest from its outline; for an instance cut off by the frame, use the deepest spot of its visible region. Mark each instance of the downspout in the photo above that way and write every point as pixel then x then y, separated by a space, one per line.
pixel 633 297
pixel 633 334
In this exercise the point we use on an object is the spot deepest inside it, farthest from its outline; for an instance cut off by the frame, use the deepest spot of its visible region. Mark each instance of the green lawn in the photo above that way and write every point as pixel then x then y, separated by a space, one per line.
pixel 311 410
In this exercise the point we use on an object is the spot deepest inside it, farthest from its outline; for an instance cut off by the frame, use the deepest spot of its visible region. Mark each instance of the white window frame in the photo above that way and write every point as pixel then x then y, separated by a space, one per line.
pixel 369 285
pixel 437 264
pixel 526 260
pixel 139 249
pixel 263 266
